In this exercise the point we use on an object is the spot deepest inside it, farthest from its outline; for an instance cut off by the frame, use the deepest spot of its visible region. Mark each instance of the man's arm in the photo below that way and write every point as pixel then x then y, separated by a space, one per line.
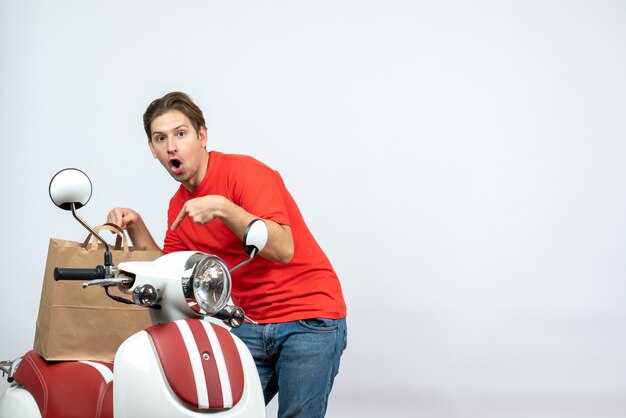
pixel 203 210
pixel 131 221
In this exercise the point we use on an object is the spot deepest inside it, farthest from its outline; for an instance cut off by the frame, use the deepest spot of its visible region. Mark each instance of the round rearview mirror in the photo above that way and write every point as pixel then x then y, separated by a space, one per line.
pixel 255 237
pixel 70 186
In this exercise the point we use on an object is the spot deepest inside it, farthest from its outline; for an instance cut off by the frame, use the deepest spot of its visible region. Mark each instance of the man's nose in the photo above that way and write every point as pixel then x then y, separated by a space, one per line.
pixel 171 145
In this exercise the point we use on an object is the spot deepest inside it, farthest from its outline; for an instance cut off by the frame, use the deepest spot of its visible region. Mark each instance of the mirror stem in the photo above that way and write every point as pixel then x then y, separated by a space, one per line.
pixel 243 263
pixel 108 258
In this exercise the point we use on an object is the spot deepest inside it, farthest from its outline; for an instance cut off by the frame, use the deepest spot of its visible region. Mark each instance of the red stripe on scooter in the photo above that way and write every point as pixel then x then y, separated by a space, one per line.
pixel 175 361
pixel 209 365
pixel 233 361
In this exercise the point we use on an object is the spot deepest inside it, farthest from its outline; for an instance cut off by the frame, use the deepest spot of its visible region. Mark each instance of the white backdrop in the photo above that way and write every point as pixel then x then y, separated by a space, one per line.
pixel 462 164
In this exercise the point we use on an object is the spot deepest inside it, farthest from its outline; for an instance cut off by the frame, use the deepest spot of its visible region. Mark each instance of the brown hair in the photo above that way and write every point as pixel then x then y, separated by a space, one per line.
pixel 173 101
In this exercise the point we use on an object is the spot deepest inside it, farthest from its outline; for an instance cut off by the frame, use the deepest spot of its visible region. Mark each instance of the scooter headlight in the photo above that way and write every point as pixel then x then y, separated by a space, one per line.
pixel 206 284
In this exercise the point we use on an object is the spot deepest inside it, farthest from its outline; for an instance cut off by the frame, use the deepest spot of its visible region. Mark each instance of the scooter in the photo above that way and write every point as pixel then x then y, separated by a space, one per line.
pixel 182 366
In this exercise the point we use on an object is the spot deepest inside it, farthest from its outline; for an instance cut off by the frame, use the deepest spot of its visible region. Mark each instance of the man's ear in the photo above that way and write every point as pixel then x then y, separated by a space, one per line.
pixel 151 148
pixel 203 136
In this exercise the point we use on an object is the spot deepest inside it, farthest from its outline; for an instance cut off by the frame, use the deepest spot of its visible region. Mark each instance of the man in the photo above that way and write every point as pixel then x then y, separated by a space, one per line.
pixel 292 290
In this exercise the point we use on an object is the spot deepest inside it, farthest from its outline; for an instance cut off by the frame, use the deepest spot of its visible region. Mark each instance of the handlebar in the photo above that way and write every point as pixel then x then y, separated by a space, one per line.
pixel 79 274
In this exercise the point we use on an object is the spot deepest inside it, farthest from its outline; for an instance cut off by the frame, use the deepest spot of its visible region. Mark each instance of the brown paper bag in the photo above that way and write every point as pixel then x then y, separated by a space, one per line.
pixel 85 324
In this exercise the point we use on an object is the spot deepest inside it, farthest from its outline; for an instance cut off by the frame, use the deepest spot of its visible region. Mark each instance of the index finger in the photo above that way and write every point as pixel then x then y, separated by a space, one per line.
pixel 179 218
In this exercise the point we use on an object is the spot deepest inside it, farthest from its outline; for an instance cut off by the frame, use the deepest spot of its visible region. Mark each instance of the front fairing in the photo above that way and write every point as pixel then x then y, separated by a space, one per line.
pixel 165 274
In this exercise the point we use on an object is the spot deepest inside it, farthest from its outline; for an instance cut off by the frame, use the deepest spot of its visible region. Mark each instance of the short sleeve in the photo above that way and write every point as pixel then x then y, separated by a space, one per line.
pixel 260 190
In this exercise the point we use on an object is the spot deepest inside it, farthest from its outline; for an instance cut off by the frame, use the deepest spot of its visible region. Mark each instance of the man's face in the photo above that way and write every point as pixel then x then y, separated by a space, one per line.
pixel 181 150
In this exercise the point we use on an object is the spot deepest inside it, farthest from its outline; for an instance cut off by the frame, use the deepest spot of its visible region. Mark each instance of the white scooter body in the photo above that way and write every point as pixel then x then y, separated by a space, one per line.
pixel 140 386
pixel 17 402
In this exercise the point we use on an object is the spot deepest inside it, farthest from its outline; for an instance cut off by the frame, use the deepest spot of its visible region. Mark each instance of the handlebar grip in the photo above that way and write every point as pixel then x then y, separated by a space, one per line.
pixel 223 314
pixel 79 274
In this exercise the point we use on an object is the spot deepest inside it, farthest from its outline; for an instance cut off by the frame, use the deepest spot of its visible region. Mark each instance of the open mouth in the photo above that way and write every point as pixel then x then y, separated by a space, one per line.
pixel 176 165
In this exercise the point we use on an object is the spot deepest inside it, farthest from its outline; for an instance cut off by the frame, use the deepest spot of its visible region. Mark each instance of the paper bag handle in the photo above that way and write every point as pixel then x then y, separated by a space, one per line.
pixel 121 240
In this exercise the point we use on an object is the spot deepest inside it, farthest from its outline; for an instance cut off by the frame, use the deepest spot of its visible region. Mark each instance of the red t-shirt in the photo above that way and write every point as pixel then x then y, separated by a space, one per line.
pixel 306 287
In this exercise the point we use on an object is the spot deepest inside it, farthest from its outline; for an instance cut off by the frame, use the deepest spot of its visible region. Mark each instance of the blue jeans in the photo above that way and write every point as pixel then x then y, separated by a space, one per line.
pixel 298 360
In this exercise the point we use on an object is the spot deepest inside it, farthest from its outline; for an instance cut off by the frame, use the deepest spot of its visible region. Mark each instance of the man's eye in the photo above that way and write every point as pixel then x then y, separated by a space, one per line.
pixel 180 134
pixel 159 138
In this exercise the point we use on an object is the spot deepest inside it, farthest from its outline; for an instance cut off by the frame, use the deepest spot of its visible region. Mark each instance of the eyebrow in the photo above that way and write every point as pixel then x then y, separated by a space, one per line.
pixel 175 129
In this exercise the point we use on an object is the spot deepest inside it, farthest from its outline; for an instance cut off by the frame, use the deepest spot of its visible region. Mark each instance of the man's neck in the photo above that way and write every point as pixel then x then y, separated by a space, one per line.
pixel 196 181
